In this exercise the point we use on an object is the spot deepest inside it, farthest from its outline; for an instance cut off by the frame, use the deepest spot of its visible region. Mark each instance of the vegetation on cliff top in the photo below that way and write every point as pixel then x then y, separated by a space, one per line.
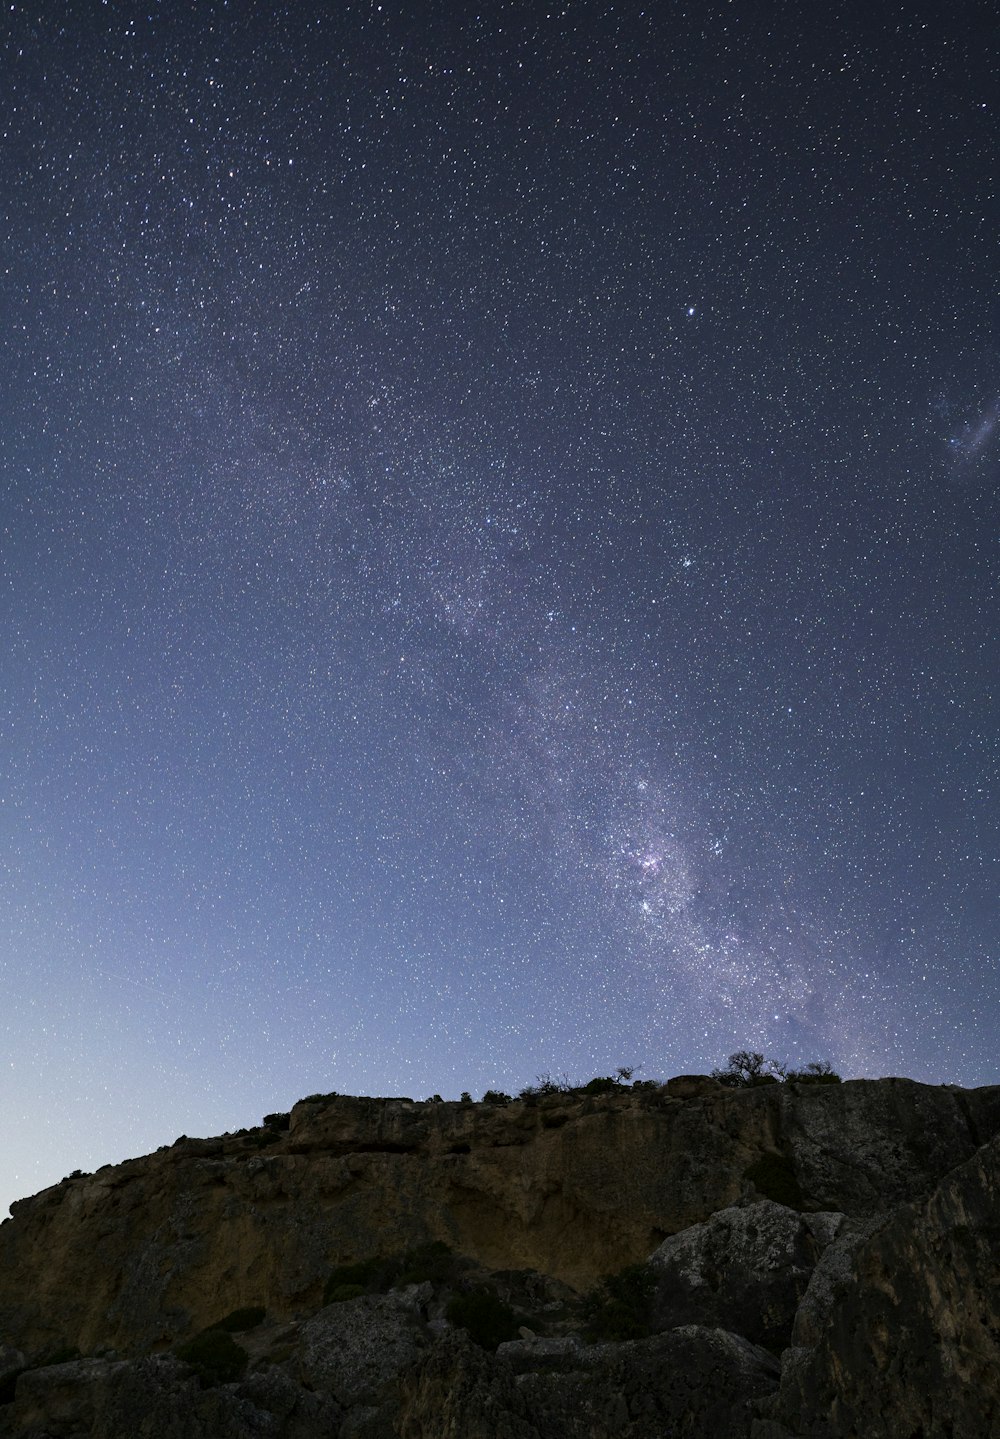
pixel 745 1069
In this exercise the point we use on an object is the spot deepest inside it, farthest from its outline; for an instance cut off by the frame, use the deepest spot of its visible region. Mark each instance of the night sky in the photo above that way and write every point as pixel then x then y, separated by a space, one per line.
pixel 499 531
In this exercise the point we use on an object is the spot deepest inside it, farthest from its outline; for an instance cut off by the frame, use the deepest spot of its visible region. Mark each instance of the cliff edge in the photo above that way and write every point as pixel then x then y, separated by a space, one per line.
pixel 805 1260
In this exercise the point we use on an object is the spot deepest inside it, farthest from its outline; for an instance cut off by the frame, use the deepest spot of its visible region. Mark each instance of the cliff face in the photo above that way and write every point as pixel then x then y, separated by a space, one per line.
pixel 136 1255
pixel 802 1217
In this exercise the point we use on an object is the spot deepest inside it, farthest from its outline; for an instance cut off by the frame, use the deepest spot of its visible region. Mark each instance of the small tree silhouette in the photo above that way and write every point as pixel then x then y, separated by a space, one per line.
pixel 747 1068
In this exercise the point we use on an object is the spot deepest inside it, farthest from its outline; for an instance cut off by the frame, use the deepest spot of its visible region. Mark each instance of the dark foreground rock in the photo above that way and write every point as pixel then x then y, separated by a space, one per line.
pixel 691 1380
pixel 746 1268
pixel 163 1399
pixel 911 1346
pixel 797 1263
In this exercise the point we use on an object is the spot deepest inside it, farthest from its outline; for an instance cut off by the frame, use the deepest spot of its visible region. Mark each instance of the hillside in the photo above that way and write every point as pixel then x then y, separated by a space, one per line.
pixel 792 1260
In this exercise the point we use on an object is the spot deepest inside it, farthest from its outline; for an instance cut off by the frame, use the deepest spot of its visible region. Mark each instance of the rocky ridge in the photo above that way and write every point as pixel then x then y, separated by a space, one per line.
pixel 795 1261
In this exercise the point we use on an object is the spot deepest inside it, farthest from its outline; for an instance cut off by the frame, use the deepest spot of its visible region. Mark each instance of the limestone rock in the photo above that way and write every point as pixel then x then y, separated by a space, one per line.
pixel 691 1380
pixel 745 1268
pixel 694 1381
pixel 145 1253
pixel 527 1354
pixel 352 1351
pixel 831 1276
pixel 159 1398
pixel 912 1343
pixel 460 1392
pixel 857 1223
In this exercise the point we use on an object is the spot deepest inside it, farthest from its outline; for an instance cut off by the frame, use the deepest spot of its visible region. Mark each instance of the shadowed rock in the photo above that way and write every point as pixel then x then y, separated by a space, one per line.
pixel 745 1268
pixel 910 1346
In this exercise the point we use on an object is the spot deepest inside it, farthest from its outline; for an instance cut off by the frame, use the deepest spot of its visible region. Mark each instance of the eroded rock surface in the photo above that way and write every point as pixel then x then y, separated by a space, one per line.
pixel 691 1380
pixel 745 1268
pixel 160 1398
pixel 354 1351
pixel 912 1341
pixel 143 1252
pixel 840 1239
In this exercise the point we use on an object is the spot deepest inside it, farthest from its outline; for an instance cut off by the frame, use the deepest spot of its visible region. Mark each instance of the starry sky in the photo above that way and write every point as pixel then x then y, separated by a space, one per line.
pixel 498 542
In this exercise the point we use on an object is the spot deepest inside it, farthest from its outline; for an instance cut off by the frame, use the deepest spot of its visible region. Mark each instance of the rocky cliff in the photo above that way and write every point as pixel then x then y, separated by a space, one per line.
pixel 793 1260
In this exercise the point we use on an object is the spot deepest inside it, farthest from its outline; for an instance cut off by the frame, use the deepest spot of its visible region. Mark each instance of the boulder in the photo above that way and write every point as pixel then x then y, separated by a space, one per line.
pixel 746 1268
pixel 692 1380
pixel 354 1351
pixel 831 1276
pixel 526 1355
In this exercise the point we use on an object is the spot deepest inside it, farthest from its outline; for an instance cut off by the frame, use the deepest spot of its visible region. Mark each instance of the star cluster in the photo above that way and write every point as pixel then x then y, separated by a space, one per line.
pixel 499 552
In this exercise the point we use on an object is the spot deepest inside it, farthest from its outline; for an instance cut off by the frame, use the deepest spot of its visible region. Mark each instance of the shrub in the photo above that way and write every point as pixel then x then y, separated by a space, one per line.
pixel 368 1276
pixel 545 1085
pixel 465 1097
pixel 340 1293
pixel 240 1320
pixel 214 1356
pixel 746 1069
pixel 818 1071
pixel 620 1306
pixel 602 1084
pixel 261 1138
pixel 432 1263
pixel 773 1176
pixel 485 1316
pixel 277 1121
pixel 61 1354
pixel 496 1096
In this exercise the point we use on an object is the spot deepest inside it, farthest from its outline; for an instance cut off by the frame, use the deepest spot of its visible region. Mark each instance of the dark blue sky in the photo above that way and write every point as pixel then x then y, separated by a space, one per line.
pixel 499 546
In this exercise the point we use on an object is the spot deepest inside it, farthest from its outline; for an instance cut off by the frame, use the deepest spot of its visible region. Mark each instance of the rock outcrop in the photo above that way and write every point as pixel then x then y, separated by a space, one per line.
pixel 690 1380
pixel 816 1260
pixel 911 1339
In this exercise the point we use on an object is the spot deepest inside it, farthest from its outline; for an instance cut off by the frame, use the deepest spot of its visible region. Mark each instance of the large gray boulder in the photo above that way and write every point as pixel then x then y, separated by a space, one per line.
pixel 354 1351
pixel 746 1269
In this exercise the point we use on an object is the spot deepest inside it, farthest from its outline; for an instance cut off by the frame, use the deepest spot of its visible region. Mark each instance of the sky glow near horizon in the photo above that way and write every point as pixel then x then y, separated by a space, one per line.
pixel 499 553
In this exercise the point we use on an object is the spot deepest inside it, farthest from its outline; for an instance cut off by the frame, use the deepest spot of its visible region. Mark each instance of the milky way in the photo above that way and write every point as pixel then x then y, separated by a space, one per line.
pixel 499 532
